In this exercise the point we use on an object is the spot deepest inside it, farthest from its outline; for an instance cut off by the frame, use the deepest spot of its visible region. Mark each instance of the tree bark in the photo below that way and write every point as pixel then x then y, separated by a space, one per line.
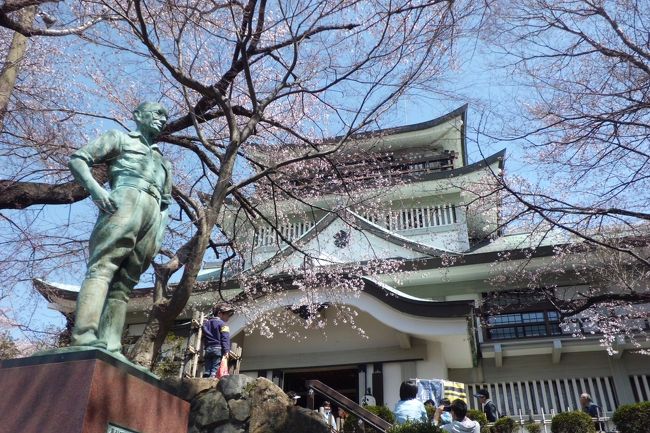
pixel 19 195
pixel 15 55
pixel 166 310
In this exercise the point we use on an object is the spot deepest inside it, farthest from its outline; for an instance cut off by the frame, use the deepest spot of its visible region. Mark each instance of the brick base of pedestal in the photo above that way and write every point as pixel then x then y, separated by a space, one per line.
pixel 85 392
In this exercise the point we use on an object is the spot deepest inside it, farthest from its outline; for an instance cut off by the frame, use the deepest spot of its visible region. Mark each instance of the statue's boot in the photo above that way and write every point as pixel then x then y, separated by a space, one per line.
pixel 89 309
pixel 112 326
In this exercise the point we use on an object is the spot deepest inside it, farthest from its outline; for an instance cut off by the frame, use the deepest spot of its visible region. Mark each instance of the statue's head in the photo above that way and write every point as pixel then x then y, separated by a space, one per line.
pixel 150 117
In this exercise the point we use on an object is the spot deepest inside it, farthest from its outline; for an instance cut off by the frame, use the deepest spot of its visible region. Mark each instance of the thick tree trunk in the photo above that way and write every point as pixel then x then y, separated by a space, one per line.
pixel 153 336
pixel 165 311
pixel 12 62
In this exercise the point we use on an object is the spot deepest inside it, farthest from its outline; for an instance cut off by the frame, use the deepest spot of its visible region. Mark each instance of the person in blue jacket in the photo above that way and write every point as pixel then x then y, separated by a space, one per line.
pixel 408 407
pixel 216 338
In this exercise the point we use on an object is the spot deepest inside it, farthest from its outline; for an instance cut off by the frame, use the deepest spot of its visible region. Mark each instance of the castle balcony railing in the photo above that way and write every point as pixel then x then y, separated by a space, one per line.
pixel 395 220
pixel 414 218
pixel 265 236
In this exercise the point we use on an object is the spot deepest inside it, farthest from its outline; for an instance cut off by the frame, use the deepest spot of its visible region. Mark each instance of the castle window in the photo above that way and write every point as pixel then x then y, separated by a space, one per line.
pixel 514 314
pixel 523 325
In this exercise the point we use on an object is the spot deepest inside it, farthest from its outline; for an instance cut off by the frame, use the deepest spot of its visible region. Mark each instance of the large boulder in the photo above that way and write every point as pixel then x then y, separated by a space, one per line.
pixel 301 420
pixel 240 409
pixel 187 388
pixel 269 407
pixel 208 409
pixel 234 386
pixel 240 404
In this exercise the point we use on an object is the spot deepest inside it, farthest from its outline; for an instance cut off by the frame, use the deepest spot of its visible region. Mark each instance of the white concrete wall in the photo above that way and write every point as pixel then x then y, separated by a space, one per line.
pixel 361 246
pixel 449 238
pixel 534 367
pixel 392 374
pixel 334 339
pixel 392 326
pixel 435 366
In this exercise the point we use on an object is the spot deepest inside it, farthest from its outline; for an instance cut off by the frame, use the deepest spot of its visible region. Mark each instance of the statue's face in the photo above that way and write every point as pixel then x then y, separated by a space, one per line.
pixel 151 118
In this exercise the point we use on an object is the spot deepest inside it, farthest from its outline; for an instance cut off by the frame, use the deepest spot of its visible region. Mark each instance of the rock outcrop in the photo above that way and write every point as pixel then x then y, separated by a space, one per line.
pixel 241 404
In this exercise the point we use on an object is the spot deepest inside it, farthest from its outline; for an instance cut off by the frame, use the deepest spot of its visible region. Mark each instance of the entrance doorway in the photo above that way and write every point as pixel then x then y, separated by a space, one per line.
pixel 344 380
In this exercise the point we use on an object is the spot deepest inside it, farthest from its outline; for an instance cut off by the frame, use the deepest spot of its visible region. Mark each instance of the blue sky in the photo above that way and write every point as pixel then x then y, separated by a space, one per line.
pixel 489 91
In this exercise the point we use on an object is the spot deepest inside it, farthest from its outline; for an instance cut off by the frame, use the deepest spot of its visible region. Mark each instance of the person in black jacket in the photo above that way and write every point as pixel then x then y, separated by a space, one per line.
pixel 489 408
pixel 216 339
pixel 592 409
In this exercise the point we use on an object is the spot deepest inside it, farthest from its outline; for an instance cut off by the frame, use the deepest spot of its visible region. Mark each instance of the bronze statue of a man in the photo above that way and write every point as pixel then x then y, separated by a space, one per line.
pixel 130 226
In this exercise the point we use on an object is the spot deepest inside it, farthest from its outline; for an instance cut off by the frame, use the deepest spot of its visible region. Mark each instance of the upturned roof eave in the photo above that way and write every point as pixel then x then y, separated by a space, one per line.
pixel 395 132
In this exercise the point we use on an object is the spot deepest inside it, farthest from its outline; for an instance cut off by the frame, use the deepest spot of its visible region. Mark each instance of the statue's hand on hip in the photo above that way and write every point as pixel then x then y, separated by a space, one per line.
pixel 103 200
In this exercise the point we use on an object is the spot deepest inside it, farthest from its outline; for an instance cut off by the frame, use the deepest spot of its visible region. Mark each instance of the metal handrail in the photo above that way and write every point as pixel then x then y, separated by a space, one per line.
pixel 348 405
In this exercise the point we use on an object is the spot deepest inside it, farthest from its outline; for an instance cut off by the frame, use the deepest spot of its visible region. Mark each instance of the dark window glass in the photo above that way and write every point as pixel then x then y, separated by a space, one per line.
pixel 534 330
pixel 527 324
pixel 532 317
pixel 503 333
pixel 555 329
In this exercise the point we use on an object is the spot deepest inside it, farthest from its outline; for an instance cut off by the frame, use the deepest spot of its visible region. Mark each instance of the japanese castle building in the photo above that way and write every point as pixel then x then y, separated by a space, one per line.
pixel 421 320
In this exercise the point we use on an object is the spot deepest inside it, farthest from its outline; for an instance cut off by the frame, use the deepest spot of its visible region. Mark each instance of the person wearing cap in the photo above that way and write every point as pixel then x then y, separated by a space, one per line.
pixel 216 338
pixel 489 408
pixel 294 397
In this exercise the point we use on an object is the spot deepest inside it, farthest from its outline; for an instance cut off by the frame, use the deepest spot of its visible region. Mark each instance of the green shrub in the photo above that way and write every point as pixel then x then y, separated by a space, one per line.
pixel 632 418
pixel 505 425
pixel 382 412
pixel 351 424
pixel 415 427
pixel 477 415
pixel 533 427
pixel 487 429
pixel 572 422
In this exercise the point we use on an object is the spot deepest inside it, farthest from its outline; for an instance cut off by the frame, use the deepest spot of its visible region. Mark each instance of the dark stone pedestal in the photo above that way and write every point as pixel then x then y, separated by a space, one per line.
pixel 85 392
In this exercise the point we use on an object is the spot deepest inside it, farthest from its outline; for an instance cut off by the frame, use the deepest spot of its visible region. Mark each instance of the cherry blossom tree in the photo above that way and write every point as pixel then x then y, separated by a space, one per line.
pixel 256 91
pixel 584 126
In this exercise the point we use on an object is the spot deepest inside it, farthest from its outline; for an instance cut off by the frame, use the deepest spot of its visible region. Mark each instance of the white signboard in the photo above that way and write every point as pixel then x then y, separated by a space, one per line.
pixel 116 429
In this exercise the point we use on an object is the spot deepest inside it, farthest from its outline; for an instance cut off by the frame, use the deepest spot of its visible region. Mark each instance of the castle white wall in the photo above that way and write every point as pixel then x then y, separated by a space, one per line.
pixel 392 374
pixel 435 365
pixel 360 247
pixel 334 339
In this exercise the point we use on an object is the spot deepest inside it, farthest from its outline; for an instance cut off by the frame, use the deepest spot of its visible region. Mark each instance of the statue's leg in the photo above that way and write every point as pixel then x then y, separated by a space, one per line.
pixel 128 274
pixel 112 240
pixel 114 313
pixel 89 307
